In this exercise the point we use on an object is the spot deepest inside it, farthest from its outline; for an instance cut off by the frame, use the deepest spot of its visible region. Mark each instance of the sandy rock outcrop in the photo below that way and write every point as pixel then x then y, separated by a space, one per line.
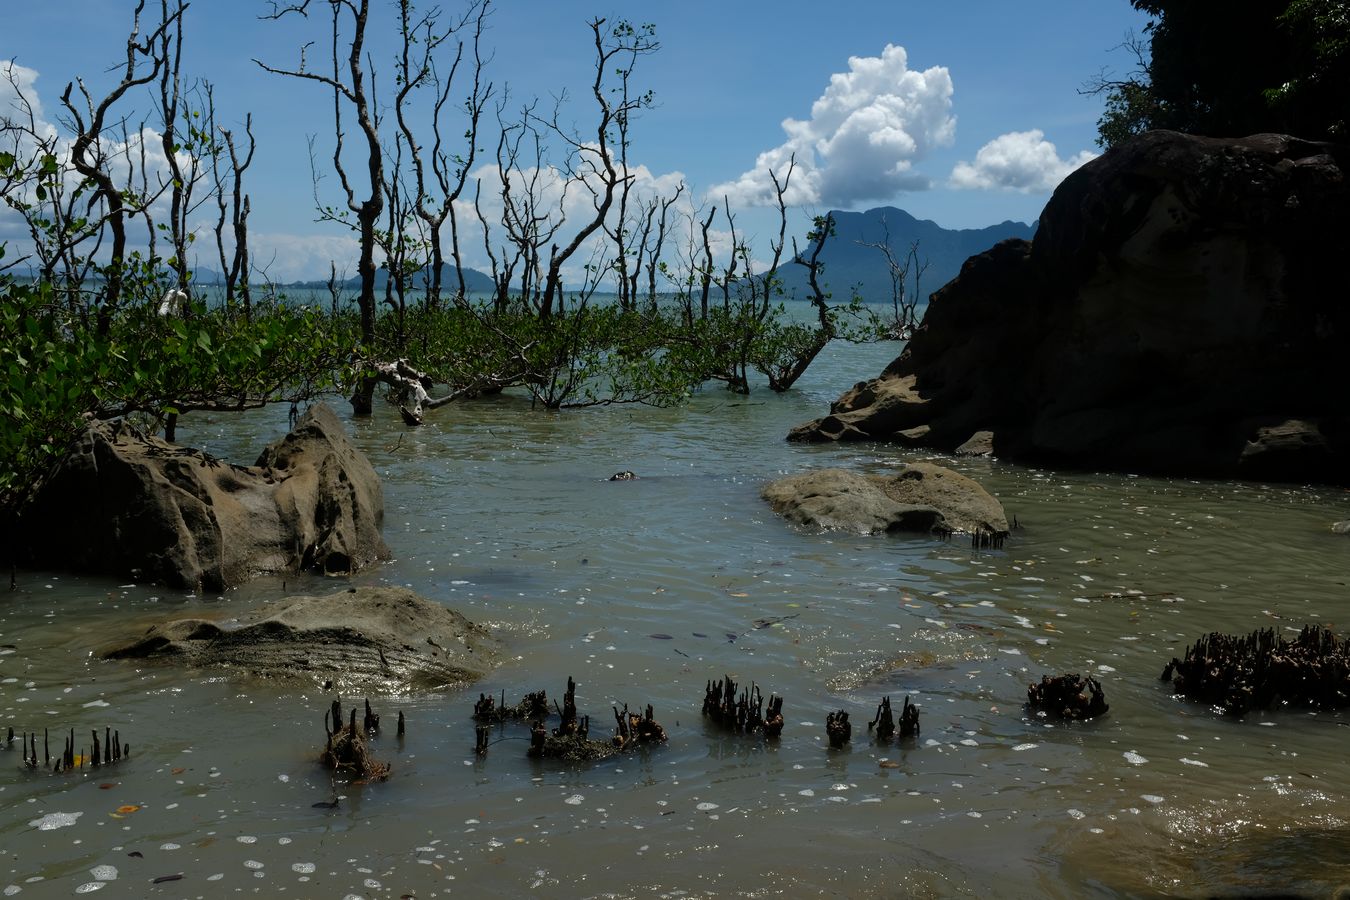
pixel 921 497
pixel 377 639
pixel 130 505
pixel 1181 310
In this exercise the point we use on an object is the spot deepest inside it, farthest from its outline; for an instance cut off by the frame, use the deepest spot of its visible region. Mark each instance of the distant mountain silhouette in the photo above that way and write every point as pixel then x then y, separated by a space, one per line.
pixel 850 266
pixel 474 281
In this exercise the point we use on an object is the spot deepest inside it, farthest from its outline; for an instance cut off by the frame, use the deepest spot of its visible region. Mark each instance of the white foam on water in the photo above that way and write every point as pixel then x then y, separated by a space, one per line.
pixel 53 821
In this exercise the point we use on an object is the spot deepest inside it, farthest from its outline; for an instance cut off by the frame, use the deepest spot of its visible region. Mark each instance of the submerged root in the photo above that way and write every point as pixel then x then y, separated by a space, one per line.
pixel 1068 697
pixel 743 714
pixel 346 750
pixel 1263 669
pixel 531 707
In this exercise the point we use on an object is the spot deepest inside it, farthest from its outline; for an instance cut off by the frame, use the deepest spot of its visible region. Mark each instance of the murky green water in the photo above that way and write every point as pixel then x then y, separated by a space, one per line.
pixel 505 514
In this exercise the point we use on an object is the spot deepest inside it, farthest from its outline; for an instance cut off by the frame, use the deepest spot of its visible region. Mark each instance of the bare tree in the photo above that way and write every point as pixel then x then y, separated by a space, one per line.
pixel 186 169
pixel 348 84
pixel 593 161
pixel 89 119
pixel 449 170
pixel 233 207
pixel 904 302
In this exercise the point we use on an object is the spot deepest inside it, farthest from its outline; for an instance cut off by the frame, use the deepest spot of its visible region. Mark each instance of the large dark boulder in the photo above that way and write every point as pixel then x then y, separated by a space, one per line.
pixel 130 505
pixel 355 641
pixel 1181 310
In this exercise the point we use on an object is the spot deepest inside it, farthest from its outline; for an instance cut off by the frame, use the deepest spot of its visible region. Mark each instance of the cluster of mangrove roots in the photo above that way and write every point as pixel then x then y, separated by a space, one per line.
pixel 571 739
pixel 105 752
pixel 345 748
pixel 1262 670
pixel 838 729
pixel 1068 697
pixel 884 723
pixel 636 729
pixel 532 707
pixel 987 540
pixel 744 714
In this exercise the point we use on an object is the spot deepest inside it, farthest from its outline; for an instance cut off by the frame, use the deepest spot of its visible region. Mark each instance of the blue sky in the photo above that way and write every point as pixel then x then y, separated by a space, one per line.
pixel 952 122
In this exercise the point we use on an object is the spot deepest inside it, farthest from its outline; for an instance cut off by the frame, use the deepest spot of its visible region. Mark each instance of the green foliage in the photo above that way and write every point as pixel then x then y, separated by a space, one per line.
pixel 57 371
pixel 1225 69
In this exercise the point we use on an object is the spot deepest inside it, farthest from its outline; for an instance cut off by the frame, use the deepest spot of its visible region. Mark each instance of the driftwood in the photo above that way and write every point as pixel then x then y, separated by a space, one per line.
pixel 1263 669
pixel 838 729
pixel 400 375
pixel 72 758
pixel 743 714
pixel 1068 697
pixel 345 747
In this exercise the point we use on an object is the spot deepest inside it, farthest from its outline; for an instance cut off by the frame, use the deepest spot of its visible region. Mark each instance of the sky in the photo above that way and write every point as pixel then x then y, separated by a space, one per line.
pixel 968 114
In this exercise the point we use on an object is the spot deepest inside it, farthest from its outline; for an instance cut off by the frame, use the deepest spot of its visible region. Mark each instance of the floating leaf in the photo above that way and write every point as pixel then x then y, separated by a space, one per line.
pixel 660 637
pixel 178 771
pixel 739 594
pixel 107 785
pixel 163 878
pixel 699 634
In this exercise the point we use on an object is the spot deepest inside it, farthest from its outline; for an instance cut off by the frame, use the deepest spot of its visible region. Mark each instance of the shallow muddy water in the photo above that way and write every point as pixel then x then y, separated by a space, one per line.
pixel 642 591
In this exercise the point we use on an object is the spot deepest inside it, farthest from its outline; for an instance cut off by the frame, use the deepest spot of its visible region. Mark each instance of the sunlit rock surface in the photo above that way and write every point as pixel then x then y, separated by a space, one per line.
pixel 374 639
pixel 920 497
pixel 130 505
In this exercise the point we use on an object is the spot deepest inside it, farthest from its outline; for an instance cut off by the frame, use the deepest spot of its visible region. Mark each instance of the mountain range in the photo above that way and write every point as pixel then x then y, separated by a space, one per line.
pixel 849 265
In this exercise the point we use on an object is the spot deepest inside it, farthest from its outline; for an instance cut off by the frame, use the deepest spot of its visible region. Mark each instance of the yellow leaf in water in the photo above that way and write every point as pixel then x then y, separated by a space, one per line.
pixel 739 594
pixel 128 809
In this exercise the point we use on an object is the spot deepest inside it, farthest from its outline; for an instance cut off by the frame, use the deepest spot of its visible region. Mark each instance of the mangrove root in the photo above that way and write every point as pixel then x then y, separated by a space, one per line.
pixel 1263 670
pixel 838 729
pixel 345 747
pixel 533 706
pixel 743 714
pixel 1068 697
pixel 571 739
pixel 106 751
pixel 884 723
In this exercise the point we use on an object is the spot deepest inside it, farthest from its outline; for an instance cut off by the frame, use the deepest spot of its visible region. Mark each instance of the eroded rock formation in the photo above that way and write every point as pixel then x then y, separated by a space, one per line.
pixel 365 639
pixel 920 497
pixel 130 505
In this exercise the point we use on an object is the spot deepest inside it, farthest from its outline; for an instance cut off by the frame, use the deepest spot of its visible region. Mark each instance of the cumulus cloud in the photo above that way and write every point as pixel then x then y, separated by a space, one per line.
pixel 1018 161
pixel 866 132
pixel 19 102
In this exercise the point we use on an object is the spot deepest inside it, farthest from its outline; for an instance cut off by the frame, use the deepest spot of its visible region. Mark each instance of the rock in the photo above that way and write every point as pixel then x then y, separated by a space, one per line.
pixel 1177 313
pixel 1341 527
pixel 366 639
pixel 133 506
pixel 921 497
pixel 981 443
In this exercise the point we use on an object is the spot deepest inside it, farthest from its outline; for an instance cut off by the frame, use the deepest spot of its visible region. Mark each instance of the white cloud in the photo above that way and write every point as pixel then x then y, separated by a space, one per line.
pixel 297 257
pixel 19 98
pixel 865 133
pixel 1019 161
